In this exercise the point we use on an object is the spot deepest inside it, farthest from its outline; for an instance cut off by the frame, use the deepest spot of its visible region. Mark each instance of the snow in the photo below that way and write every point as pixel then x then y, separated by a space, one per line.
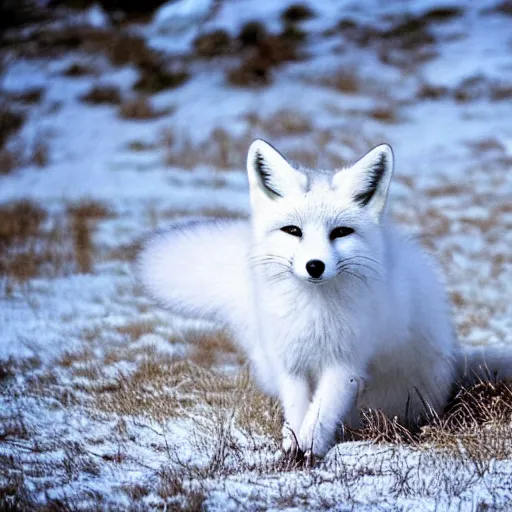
pixel 449 186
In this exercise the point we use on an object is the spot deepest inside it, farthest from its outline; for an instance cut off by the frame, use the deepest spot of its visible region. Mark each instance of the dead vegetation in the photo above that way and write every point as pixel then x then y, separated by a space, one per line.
pixel 11 121
pixel 220 151
pixel 296 13
pixel 34 243
pixel 27 245
pixel 29 96
pixel 140 108
pixel 213 44
pixel 263 56
pixel 120 46
pixel 102 94
pixel 470 89
pixel 406 42
pixel 78 69
pixel 286 127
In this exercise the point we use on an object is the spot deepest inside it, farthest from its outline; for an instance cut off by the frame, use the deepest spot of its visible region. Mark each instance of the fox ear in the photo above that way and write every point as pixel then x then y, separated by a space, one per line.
pixel 270 173
pixel 369 179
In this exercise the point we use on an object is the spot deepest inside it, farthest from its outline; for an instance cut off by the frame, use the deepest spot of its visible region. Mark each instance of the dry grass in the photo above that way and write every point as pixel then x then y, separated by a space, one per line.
pixel 471 89
pixel 140 145
pixel 10 159
pixel 91 209
pixel 220 151
pixel 346 81
pixel 102 94
pixel 262 54
pixel 385 114
pixel 407 43
pixel 155 77
pixel 32 243
pixel 252 34
pixel 83 216
pixel 297 12
pixel 78 69
pixel 27 245
pixel 476 426
pixel 291 130
pixel 11 121
pixel 29 96
pixel 120 46
pixel 284 122
pixel 213 44
pixel 209 350
pixel 140 109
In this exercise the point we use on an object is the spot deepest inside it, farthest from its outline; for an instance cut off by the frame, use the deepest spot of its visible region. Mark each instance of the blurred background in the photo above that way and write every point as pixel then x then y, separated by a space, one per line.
pixel 119 116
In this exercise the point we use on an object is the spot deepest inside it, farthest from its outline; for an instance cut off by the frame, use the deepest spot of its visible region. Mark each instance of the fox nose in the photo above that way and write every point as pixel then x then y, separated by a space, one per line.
pixel 315 268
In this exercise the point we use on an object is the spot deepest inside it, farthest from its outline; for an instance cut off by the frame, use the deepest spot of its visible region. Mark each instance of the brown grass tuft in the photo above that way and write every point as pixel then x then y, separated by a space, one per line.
pixel 384 114
pixel 297 12
pixel 10 159
pixel 91 209
pixel 343 80
pixel 77 69
pixel 213 349
pixel 252 34
pixel 82 243
pixel 263 55
pixel 29 96
pixel 10 122
pixel 286 122
pixel 140 108
pixel 221 151
pixel 20 221
pixel 102 94
pixel 83 216
pixel 480 87
pixel 33 243
pixel 136 329
pixel 213 44
pixel 476 425
pixel 155 77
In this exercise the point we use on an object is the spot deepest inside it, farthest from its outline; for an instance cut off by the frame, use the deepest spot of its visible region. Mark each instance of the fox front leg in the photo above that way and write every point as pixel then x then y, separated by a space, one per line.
pixel 335 399
pixel 295 398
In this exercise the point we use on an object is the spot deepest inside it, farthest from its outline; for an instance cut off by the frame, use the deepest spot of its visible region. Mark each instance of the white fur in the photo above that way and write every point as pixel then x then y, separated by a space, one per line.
pixel 373 331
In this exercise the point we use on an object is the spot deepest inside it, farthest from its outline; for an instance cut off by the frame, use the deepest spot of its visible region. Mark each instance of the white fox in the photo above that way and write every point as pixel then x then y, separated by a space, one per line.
pixel 335 309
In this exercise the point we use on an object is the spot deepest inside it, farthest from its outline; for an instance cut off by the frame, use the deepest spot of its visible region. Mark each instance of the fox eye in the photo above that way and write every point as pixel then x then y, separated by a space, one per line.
pixel 340 232
pixel 292 230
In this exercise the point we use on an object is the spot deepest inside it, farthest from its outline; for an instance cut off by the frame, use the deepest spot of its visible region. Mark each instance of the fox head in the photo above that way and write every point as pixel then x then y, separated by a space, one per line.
pixel 318 226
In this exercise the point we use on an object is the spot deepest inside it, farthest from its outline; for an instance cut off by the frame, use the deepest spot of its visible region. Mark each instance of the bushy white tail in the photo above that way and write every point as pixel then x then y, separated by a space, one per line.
pixel 198 268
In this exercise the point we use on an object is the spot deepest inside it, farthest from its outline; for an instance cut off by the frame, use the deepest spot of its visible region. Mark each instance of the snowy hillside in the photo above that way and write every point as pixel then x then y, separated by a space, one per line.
pixel 113 124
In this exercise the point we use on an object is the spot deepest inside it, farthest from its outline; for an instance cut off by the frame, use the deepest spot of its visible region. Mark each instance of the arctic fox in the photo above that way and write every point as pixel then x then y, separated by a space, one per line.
pixel 334 307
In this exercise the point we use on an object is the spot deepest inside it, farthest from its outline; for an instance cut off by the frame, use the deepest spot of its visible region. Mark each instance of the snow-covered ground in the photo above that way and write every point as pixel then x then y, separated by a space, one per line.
pixel 107 401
